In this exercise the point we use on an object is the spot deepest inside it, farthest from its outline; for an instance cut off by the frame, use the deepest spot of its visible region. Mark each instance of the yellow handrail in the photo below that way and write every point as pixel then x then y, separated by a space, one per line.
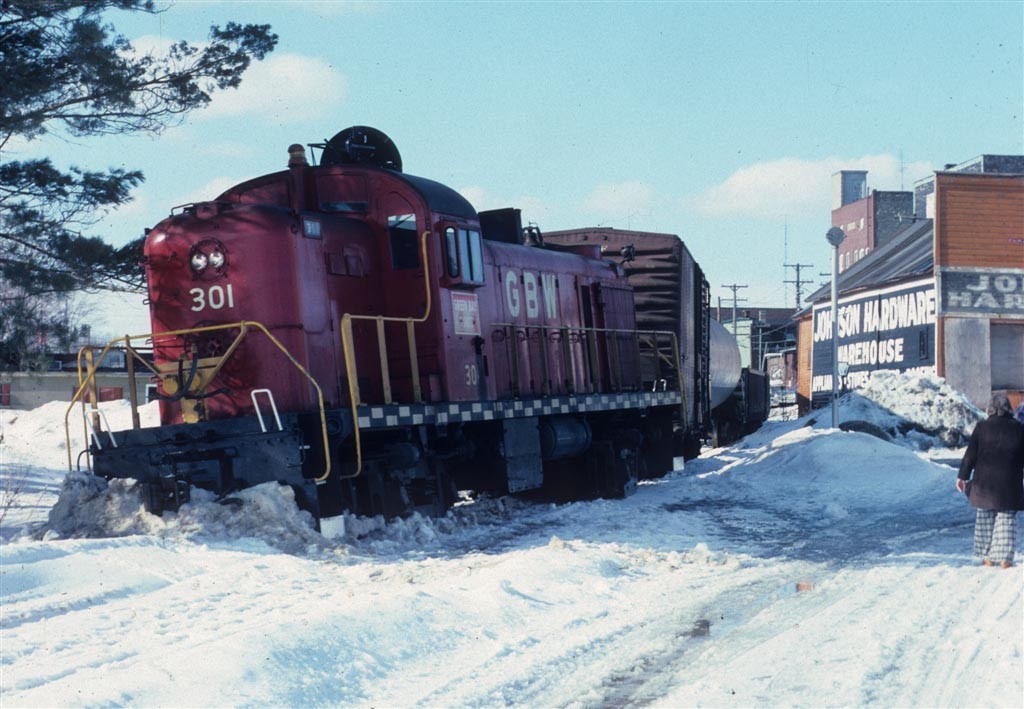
pixel 89 378
pixel 348 351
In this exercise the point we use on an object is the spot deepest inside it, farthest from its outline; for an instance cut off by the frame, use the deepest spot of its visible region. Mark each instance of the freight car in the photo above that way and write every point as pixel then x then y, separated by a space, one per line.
pixel 370 339
pixel 723 399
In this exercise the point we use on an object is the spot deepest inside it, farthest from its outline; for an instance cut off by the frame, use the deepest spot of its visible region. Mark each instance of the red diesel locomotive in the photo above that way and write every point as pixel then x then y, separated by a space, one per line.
pixel 371 340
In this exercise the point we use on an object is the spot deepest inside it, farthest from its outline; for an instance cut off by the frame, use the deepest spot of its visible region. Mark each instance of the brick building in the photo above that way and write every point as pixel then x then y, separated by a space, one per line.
pixel 868 219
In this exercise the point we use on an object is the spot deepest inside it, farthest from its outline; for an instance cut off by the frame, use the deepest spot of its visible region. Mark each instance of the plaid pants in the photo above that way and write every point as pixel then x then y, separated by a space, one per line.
pixel 994 534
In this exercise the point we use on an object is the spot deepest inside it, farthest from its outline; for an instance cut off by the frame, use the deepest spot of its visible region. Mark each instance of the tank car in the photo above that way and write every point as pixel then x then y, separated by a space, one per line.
pixel 368 338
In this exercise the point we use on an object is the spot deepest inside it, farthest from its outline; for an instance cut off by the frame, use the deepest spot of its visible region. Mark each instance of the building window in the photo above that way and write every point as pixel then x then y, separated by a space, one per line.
pixel 1008 357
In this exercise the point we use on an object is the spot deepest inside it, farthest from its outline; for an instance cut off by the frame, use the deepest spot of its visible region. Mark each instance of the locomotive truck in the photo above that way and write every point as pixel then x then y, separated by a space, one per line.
pixel 368 338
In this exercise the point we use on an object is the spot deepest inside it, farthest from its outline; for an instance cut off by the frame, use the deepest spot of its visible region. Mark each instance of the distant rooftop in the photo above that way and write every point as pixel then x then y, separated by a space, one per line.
pixel 769 315
pixel 909 253
pixel 987 164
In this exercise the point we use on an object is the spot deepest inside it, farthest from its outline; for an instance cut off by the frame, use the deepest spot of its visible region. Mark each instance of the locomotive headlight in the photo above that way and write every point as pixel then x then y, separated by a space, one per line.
pixel 208 259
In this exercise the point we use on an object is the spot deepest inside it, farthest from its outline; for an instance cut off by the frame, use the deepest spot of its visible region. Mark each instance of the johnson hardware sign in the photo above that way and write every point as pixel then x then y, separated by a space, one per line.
pixel 891 328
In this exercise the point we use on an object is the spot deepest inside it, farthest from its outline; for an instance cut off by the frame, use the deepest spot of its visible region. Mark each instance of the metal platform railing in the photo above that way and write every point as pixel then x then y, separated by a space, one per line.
pixel 202 372
pixel 652 353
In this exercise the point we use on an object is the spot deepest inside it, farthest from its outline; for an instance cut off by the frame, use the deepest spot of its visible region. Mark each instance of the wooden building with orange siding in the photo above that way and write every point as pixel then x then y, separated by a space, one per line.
pixel 979 265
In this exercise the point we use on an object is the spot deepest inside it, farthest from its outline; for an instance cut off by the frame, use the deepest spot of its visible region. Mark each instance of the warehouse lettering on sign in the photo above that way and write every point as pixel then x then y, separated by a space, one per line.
pixel 892 328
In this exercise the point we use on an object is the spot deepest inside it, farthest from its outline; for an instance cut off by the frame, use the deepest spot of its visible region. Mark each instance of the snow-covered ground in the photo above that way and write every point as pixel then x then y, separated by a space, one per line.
pixel 685 594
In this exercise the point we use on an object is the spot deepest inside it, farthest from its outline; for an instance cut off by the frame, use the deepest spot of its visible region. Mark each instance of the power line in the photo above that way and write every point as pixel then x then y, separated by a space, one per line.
pixel 798 282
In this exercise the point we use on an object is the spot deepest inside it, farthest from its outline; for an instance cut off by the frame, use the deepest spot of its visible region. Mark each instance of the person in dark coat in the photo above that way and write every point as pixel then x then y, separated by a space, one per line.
pixel 995 456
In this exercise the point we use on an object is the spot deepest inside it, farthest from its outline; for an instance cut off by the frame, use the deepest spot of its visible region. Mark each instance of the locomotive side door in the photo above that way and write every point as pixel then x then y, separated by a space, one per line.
pixel 594 340
pixel 615 313
pixel 462 298
pixel 399 292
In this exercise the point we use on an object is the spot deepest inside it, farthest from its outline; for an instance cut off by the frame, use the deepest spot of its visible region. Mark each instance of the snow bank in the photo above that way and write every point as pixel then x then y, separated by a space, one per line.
pixel 927 402
pixel 845 468
pixel 37 436
pixel 917 411
pixel 91 507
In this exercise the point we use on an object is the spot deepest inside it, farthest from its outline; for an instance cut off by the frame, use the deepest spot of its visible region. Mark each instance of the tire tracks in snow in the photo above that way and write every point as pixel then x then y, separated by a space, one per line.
pixel 646 679
pixel 557 667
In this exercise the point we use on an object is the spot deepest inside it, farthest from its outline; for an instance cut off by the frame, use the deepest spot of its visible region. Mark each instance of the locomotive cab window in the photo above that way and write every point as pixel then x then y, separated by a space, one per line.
pixel 471 258
pixel 451 252
pixel 404 247
pixel 464 256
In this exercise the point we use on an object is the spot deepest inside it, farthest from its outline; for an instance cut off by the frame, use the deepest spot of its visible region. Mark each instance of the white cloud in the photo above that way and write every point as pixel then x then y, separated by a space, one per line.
pixel 155 44
pixel 139 206
pixel 272 88
pixel 793 186
pixel 285 88
pixel 478 197
pixel 619 201
pixel 533 209
pixel 121 225
pixel 207 192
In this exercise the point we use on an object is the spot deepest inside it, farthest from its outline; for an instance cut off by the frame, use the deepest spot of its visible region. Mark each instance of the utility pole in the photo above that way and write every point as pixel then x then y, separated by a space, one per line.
pixel 735 287
pixel 798 282
pixel 835 237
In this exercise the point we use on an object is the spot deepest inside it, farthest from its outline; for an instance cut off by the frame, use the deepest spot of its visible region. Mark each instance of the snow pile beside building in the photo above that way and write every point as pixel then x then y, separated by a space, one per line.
pixel 811 479
pixel 930 405
pixel 913 410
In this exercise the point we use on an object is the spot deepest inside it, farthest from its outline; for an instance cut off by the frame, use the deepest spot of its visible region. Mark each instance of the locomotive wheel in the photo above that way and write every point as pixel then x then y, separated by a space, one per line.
pixel 611 471
pixel 723 434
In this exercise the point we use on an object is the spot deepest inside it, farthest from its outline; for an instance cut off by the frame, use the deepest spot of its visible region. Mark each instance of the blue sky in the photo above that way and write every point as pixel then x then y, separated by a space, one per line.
pixel 720 122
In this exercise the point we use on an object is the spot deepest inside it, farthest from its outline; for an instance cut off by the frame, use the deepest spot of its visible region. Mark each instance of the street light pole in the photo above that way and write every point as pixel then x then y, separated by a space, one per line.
pixel 835 236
